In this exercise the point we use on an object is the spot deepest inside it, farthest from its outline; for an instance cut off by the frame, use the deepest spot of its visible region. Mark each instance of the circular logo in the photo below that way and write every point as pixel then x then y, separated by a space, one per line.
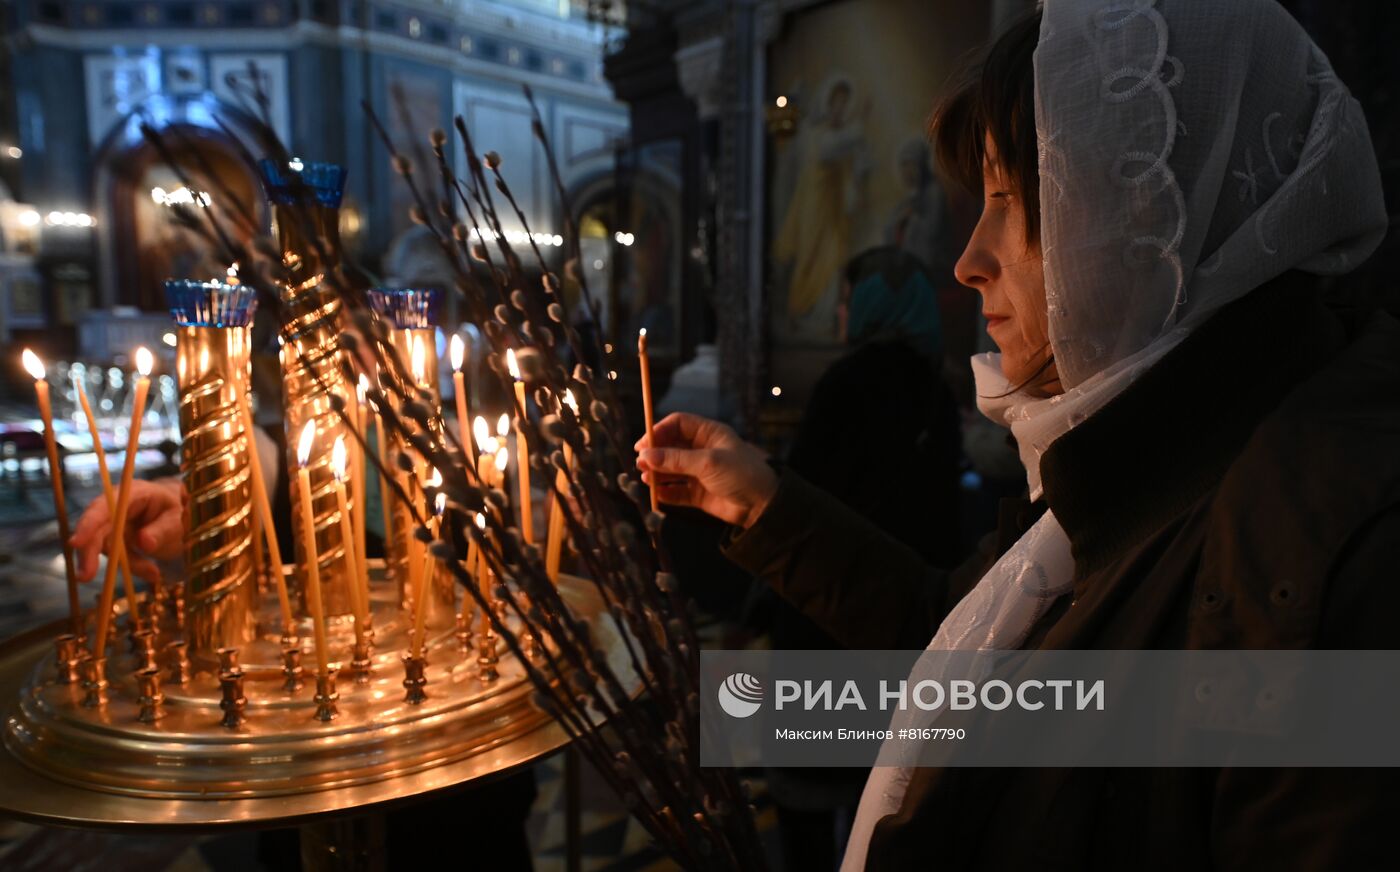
pixel 740 695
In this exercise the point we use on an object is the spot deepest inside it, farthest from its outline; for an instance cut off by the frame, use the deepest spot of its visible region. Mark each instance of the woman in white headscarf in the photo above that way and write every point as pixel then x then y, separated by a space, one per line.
pixel 1212 452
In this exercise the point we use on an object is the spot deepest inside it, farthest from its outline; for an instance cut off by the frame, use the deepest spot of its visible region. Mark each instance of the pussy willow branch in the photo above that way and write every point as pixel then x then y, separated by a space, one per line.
pixel 649 756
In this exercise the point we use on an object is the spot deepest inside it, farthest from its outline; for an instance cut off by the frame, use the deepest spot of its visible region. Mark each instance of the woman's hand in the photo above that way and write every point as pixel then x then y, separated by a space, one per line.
pixel 702 463
pixel 155 529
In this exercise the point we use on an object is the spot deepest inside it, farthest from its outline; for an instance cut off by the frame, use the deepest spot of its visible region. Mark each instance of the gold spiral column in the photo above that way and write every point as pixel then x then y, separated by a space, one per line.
pixel 412 313
pixel 305 199
pixel 212 357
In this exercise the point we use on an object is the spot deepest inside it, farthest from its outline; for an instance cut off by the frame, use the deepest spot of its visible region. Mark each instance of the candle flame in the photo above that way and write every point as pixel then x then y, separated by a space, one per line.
pixel 308 436
pixel 337 459
pixel 503 425
pixel 480 521
pixel 642 341
pixel 420 360
pixel 458 350
pixel 362 389
pixel 502 459
pixel 512 365
pixel 570 401
pixel 481 431
pixel 440 504
pixel 33 365
pixel 435 480
pixel 145 361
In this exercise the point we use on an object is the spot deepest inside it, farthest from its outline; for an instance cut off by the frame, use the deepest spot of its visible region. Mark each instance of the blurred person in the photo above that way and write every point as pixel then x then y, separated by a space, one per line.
pixel 880 434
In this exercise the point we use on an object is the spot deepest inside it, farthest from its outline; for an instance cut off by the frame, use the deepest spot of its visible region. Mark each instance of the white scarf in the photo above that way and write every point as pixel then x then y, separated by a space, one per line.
pixel 1189 152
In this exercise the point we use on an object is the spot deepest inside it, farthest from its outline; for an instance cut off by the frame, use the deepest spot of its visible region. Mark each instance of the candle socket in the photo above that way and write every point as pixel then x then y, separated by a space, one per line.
pixel 153 611
pixel 134 609
pixel 465 631
pixel 360 662
pixel 69 657
pixel 291 640
pixel 414 680
pixel 486 658
pixel 178 597
pixel 292 671
pixel 178 661
pixel 228 660
pixel 96 683
pixel 233 702
pixel 326 697
pixel 145 641
pixel 150 698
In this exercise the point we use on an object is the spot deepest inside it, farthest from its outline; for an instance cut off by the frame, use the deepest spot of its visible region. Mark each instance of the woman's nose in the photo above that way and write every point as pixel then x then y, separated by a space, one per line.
pixel 977 266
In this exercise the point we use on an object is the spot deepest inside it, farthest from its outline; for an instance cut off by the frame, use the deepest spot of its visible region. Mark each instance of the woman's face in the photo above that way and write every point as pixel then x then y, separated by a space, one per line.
pixel 1000 265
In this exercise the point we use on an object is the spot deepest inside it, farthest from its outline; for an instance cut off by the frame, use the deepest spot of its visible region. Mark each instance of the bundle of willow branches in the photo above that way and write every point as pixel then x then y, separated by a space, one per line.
pixel 645 746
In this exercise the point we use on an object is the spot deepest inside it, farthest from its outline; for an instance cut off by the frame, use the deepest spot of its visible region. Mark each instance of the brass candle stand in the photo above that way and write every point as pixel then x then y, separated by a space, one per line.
pixel 238 747
pixel 213 345
pixel 412 315
pixel 209 717
pixel 309 241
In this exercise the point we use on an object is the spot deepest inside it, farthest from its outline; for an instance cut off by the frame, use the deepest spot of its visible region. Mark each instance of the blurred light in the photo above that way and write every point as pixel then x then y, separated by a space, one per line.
pixel 295 165
pixel 612 374
pixel 181 196
pixel 519 237
pixel 608 348
pixel 624 239
pixel 598 264
pixel 29 217
pixel 15 152
pixel 782 102
pixel 168 339
pixel 777 391
pixel 69 219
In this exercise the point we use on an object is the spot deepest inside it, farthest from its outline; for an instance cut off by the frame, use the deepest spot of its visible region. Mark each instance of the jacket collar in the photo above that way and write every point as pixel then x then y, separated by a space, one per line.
pixel 1162 443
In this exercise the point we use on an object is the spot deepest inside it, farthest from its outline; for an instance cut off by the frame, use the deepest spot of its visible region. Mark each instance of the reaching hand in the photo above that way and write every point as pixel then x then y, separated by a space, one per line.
pixel 155 529
pixel 702 463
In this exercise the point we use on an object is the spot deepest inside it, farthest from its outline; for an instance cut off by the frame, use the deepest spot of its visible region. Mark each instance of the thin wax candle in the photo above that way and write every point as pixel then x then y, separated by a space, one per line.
pixel 145 362
pixel 35 367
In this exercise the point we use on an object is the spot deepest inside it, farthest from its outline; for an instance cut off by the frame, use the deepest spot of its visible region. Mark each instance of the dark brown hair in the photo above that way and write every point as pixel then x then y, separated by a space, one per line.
pixel 994 95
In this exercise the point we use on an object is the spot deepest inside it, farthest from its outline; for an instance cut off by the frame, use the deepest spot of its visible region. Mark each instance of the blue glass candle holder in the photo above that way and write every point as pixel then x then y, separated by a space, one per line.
pixel 407 308
pixel 287 184
pixel 210 304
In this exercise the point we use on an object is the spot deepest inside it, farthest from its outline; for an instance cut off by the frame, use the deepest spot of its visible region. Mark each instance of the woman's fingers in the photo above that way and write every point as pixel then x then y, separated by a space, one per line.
pixel 141 567
pixel 90 537
pixel 164 536
pixel 88 547
pixel 676 461
pixel 682 429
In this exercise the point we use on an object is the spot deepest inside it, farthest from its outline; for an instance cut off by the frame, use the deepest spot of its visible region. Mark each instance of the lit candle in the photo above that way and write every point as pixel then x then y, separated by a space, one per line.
pixel 554 547
pixel 263 506
pixel 645 365
pixel 144 364
pixel 497 472
pixel 35 368
pixel 352 564
pixel 357 481
pixel 420 610
pixel 381 446
pixel 522 451
pixel 419 367
pixel 108 494
pixel 477 563
pixel 313 559
pixel 458 353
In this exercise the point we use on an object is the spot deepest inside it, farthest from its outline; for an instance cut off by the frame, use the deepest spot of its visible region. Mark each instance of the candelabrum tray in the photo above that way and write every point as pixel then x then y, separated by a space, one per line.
pixel 68 764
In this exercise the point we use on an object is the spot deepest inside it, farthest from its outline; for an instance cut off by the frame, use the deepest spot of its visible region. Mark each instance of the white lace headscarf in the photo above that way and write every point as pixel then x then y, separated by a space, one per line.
pixel 1189 151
